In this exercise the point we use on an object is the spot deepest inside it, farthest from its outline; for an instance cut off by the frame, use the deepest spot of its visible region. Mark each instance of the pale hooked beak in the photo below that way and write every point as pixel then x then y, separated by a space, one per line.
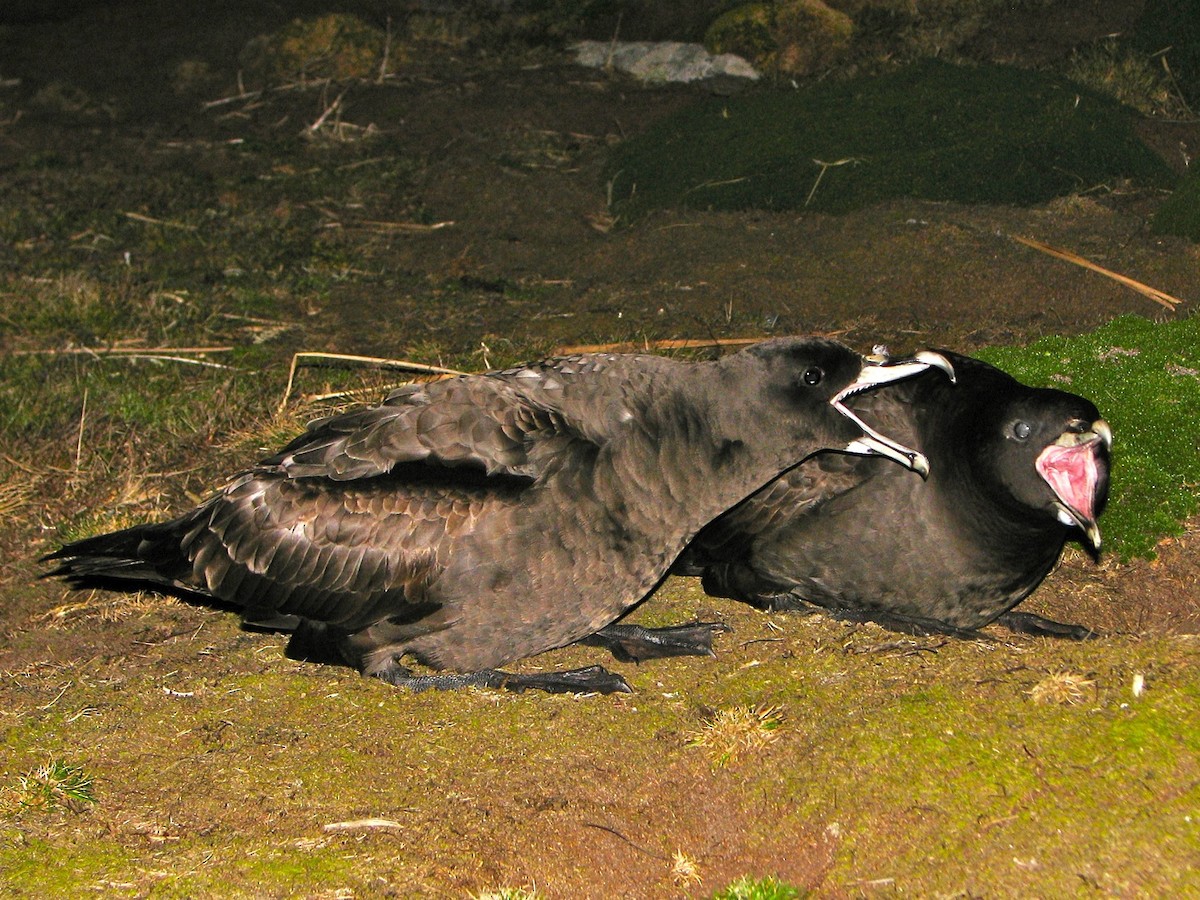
pixel 873 375
pixel 1072 468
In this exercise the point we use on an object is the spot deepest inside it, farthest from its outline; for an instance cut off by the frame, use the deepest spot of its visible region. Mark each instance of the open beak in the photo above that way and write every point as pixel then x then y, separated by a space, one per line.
pixel 875 373
pixel 1076 468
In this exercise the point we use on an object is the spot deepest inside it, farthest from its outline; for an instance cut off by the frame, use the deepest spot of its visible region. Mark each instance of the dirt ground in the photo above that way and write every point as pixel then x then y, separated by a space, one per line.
pixel 218 762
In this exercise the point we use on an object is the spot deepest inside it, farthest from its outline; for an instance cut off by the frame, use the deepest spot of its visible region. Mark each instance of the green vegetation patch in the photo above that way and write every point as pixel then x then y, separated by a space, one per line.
pixel 750 889
pixel 1180 215
pixel 987 134
pixel 1145 378
pixel 1171 29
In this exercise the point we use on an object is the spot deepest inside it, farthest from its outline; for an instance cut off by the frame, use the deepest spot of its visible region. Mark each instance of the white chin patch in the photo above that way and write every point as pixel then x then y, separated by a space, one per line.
pixel 1067 519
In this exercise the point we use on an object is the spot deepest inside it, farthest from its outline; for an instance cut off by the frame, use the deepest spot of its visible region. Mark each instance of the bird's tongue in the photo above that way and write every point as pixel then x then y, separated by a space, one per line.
pixel 1072 473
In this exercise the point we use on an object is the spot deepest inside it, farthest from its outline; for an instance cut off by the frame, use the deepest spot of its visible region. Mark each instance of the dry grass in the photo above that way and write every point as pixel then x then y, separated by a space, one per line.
pixel 740 731
pixel 685 872
pixel 1062 688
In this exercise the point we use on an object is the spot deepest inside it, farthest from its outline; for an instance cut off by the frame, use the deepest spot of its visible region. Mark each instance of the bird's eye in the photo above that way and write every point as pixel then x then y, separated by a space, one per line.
pixel 813 376
pixel 1021 431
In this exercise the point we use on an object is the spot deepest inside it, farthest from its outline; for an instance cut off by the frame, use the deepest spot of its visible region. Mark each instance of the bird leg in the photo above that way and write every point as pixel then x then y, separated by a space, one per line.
pixel 923 626
pixel 1031 623
pixel 918 626
pixel 588 680
pixel 636 643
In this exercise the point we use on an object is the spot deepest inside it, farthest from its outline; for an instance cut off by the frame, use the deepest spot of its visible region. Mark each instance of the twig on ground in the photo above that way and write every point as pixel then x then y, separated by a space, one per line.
pixel 158 357
pixel 1160 297
pixel 332 108
pixel 387 51
pixel 82 421
pixel 824 166
pixel 245 95
pixel 618 834
pixel 165 223
pixel 315 360
pixel 413 227
pixel 122 351
pixel 664 344
pixel 361 825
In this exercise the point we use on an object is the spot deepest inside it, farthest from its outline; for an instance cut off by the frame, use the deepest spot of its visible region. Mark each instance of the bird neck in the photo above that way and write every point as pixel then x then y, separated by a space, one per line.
pixel 1015 533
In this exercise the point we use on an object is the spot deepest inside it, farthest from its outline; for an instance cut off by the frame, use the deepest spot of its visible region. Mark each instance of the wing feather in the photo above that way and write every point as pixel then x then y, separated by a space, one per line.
pixel 484 423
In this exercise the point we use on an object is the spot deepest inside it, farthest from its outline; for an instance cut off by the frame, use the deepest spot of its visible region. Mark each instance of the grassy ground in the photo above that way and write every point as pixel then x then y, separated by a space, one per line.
pixel 158 273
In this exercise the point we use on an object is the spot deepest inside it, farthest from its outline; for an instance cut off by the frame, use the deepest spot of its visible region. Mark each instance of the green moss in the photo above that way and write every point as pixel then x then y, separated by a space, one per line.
pixel 1000 775
pixel 338 46
pixel 745 30
pixel 793 38
pixel 35 867
pixel 990 134
pixel 1180 215
pixel 1171 28
pixel 763 889
pixel 1145 378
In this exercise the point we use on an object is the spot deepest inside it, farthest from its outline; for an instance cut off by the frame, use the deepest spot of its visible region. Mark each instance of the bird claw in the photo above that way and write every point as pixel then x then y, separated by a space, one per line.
pixel 636 643
pixel 588 680
pixel 917 626
pixel 1038 626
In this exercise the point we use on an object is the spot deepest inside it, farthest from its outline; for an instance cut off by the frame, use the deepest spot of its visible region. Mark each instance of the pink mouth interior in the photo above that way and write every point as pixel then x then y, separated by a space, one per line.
pixel 1072 474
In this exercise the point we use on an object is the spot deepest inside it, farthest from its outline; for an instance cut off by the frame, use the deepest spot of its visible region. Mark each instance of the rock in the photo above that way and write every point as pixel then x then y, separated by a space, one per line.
pixel 662 61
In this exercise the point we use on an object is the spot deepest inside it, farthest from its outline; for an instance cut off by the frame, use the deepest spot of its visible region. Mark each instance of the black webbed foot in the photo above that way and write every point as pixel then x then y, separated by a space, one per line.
pixel 636 643
pixel 918 626
pixel 1038 626
pixel 785 602
pixel 591 679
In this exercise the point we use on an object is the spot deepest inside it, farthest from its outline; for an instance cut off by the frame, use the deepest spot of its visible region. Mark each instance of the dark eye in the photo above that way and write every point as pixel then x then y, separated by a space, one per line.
pixel 813 375
pixel 1021 431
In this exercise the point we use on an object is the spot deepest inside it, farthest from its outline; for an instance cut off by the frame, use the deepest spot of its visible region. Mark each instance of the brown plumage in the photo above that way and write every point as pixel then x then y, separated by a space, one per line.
pixel 475 521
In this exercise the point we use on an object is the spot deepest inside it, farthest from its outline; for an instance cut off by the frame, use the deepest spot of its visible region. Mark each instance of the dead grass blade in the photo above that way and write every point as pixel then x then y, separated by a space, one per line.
pixel 165 223
pixel 15 495
pixel 402 227
pixel 362 825
pixel 740 731
pixel 1063 688
pixel 146 352
pixel 317 360
pixel 1160 297
pixel 664 344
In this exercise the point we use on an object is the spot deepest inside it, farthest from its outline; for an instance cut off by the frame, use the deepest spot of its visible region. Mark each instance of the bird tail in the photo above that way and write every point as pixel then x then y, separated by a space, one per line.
pixel 137 558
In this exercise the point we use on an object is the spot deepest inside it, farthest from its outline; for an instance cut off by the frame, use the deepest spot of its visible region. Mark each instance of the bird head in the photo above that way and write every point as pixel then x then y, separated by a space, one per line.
pixel 880 370
pixel 813 370
pixel 1058 452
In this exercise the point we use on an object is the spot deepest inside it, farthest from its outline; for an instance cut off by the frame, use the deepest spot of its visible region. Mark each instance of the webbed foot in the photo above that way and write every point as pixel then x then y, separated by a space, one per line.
pixel 588 680
pixel 1038 626
pixel 918 626
pixel 636 643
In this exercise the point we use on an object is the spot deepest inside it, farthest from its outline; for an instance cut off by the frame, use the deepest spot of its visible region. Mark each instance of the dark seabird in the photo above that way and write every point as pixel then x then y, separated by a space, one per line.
pixel 475 521
pixel 1014 473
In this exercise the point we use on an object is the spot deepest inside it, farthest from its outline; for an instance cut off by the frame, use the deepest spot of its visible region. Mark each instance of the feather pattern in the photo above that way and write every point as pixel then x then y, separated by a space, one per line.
pixel 477 520
pixel 961 548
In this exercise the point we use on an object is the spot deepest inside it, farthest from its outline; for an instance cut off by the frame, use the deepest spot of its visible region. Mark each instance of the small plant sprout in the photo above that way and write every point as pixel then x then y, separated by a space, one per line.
pixel 508 894
pixel 764 889
pixel 56 784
